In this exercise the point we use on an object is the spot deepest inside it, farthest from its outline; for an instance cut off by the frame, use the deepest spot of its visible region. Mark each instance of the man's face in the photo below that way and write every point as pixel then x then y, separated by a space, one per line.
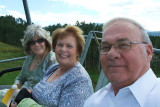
pixel 124 68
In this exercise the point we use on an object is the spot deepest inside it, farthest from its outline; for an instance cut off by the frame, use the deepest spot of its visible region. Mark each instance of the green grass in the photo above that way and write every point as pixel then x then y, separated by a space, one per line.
pixel 94 74
pixel 7 52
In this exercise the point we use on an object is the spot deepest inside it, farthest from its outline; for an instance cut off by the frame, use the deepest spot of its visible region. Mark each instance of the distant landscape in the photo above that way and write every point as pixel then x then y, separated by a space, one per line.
pixel 12 30
pixel 8 51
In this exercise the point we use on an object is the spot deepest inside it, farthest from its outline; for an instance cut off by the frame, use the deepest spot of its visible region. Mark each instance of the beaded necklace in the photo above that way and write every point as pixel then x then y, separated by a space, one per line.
pixel 42 58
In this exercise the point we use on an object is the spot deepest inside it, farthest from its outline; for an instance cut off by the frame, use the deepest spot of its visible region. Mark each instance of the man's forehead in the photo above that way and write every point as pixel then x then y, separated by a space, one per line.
pixel 120 25
pixel 120 29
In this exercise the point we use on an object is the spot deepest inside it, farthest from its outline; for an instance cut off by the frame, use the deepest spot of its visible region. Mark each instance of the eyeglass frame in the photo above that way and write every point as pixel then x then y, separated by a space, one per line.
pixel 115 46
pixel 39 41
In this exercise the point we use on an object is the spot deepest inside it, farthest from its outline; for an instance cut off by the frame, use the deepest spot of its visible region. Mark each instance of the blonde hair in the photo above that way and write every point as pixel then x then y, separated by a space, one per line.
pixel 32 31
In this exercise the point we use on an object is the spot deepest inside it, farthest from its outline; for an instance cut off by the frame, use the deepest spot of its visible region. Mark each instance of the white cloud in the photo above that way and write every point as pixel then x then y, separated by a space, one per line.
pixel 143 11
pixel 1 7
pixel 118 6
pixel 52 18
pixel 16 14
pixel 54 0
pixel 146 12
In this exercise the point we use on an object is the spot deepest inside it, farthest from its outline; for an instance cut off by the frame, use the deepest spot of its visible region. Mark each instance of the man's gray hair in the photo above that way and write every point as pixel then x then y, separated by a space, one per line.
pixel 145 35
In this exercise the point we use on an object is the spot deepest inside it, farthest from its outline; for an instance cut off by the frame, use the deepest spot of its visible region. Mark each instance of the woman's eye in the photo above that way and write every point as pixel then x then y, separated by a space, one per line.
pixel 69 46
pixel 59 45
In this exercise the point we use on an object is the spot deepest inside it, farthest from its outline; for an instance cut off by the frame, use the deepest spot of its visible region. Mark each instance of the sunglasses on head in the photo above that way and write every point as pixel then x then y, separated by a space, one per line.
pixel 39 41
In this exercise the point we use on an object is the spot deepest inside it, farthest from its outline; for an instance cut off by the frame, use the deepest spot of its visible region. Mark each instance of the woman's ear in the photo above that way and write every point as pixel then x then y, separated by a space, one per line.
pixel 149 50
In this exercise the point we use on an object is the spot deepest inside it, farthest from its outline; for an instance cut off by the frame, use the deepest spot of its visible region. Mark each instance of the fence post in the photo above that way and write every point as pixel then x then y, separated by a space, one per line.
pixel 86 47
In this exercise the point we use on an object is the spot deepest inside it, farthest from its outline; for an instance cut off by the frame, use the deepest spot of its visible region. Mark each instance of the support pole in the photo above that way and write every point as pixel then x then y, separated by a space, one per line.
pixel 25 4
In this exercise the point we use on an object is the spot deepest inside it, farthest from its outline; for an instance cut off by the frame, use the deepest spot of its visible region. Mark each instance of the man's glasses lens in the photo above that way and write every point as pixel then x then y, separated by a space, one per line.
pixel 41 40
pixel 119 45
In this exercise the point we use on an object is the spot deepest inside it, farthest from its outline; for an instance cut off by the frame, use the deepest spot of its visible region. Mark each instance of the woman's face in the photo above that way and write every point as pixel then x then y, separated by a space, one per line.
pixel 37 45
pixel 66 51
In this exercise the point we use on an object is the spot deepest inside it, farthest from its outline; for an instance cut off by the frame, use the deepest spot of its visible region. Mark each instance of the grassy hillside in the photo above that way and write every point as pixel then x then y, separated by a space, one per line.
pixel 7 52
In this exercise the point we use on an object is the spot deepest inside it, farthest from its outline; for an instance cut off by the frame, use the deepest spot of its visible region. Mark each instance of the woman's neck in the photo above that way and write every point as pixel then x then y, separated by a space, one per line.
pixel 66 68
pixel 40 58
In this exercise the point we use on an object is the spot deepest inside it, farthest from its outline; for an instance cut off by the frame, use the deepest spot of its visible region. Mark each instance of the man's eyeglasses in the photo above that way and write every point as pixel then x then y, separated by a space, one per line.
pixel 120 46
pixel 39 41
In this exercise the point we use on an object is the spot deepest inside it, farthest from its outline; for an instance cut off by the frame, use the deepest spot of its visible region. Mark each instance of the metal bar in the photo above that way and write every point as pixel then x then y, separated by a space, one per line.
pixel 156 51
pixel 10 70
pixel 7 60
pixel 86 47
pixel 102 81
pixel 90 36
pixel 5 86
pixel 25 4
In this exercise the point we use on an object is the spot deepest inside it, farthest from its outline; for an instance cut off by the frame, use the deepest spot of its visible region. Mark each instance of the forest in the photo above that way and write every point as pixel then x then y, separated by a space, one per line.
pixel 12 30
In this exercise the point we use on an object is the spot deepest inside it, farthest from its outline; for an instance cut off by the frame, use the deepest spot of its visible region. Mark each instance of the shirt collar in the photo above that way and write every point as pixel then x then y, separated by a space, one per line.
pixel 143 86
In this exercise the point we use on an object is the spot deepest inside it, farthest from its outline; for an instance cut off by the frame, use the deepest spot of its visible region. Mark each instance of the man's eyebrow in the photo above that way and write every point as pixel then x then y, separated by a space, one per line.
pixel 119 40
pixel 122 39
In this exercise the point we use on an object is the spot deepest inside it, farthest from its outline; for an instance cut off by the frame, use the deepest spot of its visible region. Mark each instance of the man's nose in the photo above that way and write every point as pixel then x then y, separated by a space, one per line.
pixel 113 53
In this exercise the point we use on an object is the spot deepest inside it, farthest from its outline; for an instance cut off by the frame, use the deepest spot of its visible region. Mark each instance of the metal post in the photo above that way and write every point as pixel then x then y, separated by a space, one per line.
pixel 25 4
pixel 86 47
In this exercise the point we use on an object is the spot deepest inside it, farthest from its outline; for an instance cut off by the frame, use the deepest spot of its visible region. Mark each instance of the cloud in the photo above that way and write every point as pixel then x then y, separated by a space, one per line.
pixel 54 0
pixel 145 12
pixel 54 18
pixel 16 14
pixel 118 7
pixel 1 7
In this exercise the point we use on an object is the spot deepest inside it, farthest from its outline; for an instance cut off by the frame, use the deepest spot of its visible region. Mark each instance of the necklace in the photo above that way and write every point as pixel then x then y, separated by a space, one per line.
pixel 42 58
pixel 57 73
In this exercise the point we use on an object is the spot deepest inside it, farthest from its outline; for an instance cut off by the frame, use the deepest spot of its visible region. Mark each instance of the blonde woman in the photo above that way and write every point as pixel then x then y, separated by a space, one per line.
pixel 37 45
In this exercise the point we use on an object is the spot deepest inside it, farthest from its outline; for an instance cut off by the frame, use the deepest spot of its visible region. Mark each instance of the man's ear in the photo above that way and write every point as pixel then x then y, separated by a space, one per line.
pixel 149 50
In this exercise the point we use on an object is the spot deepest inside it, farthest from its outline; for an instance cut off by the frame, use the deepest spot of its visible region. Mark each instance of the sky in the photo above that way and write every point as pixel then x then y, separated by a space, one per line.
pixel 49 12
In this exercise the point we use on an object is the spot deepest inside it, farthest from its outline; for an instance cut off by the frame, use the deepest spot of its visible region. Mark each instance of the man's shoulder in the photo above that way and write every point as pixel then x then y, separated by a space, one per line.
pixel 155 91
pixel 154 96
pixel 97 96
pixel 156 87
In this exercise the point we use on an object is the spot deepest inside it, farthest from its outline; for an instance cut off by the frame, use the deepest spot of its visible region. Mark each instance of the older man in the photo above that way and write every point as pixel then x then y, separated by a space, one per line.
pixel 126 52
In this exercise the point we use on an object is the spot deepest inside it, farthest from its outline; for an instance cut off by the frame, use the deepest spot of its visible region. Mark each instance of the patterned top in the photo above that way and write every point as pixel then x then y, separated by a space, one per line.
pixel 69 90
pixel 28 79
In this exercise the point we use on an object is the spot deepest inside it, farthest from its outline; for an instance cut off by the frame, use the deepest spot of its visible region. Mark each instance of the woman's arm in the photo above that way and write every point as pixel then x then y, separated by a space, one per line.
pixel 29 102
pixel 21 78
